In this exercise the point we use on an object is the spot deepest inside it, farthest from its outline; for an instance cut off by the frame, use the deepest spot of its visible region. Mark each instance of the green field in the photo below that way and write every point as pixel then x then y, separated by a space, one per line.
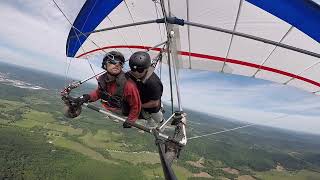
pixel 65 143
pixel 103 139
pixel 180 172
pixel 285 175
pixel 38 142
pixel 136 157
pixel 28 155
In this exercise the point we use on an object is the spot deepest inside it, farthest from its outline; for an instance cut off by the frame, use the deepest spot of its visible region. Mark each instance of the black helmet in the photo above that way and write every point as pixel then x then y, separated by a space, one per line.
pixel 112 55
pixel 139 60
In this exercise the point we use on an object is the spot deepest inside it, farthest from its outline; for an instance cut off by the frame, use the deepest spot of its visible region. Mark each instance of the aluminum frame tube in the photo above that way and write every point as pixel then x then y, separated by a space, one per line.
pixel 138 126
pixel 119 27
pixel 303 51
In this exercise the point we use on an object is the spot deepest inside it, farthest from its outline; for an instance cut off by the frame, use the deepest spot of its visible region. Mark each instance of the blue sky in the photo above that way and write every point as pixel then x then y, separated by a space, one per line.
pixel 33 34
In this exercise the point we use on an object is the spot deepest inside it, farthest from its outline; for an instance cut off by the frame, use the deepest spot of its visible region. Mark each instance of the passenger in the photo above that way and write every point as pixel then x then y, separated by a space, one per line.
pixel 150 87
pixel 117 92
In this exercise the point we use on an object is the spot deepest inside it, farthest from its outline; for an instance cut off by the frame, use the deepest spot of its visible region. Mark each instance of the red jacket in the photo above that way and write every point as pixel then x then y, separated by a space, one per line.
pixel 130 94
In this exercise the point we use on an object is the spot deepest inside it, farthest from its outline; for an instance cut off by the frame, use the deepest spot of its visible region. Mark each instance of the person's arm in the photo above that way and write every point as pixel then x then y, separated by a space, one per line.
pixel 155 97
pixel 132 97
pixel 91 97
pixel 94 95
pixel 151 104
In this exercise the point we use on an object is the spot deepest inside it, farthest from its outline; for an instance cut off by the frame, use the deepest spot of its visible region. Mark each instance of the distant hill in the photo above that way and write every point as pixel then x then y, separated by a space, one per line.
pixel 33 119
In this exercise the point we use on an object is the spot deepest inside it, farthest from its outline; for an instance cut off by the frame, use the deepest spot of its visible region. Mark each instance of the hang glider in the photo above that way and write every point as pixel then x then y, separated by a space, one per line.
pixel 211 35
pixel 271 40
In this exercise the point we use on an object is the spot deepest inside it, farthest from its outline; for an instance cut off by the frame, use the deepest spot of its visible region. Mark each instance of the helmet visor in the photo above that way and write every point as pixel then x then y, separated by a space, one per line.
pixel 115 61
pixel 139 70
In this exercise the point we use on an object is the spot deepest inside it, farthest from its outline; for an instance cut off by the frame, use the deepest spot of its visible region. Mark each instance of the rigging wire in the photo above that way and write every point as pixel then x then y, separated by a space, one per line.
pixel 169 8
pixel 121 34
pixel 314 167
pixel 306 69
pixel 84 52
pixel 133 21
pixel 73 28
pixel 315 92
pixel 168 51
pixel 188 30
pixel 68 64
pixel 95 2
pixel 176 80
pixel 174 65
pixel 236 128
pixel 220 132
pixel 232 35
pixel 65 16
pixel 77 35
pixel 275 47
pixel 158 15
pixel 76 29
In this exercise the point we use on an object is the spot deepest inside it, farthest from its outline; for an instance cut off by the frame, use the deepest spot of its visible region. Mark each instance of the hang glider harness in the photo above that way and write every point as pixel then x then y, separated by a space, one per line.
pixel 169 147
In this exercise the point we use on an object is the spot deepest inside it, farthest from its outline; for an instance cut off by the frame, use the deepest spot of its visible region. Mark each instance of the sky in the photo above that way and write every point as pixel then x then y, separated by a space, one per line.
pixel 33 34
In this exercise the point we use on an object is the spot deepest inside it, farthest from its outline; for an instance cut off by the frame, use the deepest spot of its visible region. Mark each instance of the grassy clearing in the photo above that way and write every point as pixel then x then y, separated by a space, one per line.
pixel 10 105
pixel 62 128
pixel 54 133
pixel 154 173
pixel 39 116
pixel 65 143
pixel 27 155
pixel 180 172
pixel 35 118
pixel 91 141
pixel 3 121
pixel 286 175
pixel 102 139
pixel 27 123
pixel 34 100
pixel 11 110
pixel 135 158
pixel 104 135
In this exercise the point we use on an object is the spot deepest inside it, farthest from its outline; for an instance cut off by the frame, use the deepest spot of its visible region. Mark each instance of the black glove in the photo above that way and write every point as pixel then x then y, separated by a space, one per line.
pixel 80 100
pixel 126 124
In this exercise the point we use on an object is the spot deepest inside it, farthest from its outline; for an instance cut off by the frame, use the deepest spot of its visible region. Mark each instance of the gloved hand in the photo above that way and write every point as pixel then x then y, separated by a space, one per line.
pixel 72 111
pixel 80 100
pixel 126 124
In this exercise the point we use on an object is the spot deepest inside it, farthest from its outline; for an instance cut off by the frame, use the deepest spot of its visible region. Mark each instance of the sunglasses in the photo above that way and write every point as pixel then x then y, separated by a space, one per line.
pixel 115 61
pixel 138 70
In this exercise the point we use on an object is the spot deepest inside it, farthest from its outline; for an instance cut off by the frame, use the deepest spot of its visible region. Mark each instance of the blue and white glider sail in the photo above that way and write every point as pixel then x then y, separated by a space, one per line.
pixel 292 22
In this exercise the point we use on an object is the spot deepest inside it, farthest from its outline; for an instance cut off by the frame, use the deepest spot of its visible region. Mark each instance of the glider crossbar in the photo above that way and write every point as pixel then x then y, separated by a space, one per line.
pixel 138 126
pixel 181 22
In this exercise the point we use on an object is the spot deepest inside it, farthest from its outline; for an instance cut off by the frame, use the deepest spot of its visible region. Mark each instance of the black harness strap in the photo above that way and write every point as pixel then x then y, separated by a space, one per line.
pixel 115 100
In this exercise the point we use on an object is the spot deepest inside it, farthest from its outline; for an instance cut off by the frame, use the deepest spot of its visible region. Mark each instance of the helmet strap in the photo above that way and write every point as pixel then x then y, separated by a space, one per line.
pixel 112 77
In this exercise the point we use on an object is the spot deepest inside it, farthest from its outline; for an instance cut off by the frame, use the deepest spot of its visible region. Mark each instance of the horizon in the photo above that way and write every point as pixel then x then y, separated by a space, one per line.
pixel 216 116
pixel 236 97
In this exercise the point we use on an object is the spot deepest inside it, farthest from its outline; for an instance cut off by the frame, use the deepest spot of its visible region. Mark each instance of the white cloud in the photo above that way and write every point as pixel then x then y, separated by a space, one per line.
pixel 34 34
pixel 31 33
pixel 253 101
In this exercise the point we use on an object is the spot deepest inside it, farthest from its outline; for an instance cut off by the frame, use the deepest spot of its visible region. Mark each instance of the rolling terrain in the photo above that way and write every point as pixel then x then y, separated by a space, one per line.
pixel 38 142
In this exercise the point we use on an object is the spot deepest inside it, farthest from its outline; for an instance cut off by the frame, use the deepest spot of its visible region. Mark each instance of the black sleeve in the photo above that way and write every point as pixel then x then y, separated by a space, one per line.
pixel 155 88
